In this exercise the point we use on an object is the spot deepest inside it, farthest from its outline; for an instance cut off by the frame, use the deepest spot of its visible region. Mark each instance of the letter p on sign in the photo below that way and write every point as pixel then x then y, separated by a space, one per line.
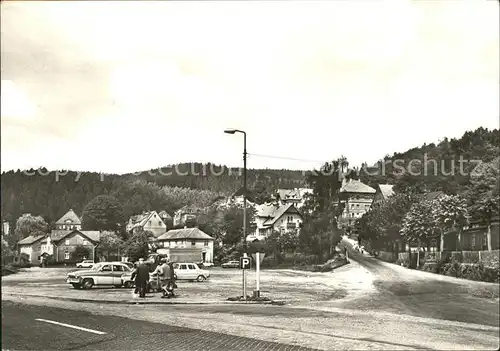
pixel 245 262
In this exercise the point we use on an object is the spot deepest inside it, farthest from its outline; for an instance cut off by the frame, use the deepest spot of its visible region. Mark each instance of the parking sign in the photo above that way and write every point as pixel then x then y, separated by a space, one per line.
pixel 245 262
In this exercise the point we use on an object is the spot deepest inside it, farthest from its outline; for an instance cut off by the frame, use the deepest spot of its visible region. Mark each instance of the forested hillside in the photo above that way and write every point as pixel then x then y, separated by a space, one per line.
pixel 454 166
pixel 51 194
pixel 44 193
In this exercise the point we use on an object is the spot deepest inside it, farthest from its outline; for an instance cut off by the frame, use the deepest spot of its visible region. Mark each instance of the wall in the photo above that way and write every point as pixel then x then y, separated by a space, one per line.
pixel 187 245
pixel 355 206
pixel 74 240
pixel 387 256
pixel 282 223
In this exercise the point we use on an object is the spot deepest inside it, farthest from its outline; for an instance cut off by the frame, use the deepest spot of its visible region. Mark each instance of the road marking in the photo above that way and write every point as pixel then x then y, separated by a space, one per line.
pixel 71 326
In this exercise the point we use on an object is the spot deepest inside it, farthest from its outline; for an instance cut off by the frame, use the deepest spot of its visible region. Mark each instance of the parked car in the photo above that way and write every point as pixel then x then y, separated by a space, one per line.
pixel 231 264
pixel 103 273
pixel 205 264
pixel 190 271
pixel 85 264
pixel 129 264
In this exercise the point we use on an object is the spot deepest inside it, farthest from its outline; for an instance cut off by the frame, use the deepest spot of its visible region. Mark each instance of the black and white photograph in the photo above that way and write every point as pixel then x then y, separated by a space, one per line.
pixel 250 175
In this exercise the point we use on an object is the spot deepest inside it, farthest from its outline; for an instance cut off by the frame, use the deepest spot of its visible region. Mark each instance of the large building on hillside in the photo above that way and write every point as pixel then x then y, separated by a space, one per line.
pixel 357 198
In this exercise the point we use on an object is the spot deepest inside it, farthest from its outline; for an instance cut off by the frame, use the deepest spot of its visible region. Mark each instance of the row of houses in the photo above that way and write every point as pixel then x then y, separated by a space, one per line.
pixel 475 236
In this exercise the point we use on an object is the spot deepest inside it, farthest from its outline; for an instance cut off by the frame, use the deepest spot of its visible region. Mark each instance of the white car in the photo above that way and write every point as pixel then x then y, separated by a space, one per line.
pixel 85 264
pixel 190 271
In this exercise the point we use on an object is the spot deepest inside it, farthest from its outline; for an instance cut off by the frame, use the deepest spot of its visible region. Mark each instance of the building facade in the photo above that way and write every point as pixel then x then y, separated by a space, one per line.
pixel 69 221
pixel 60 244
pixel 357 198
pixel 147 221
pixel 188 240
pixel 274 217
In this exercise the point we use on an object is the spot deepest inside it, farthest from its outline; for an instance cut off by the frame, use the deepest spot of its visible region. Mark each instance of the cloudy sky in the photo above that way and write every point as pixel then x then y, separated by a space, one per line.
pixel 127 86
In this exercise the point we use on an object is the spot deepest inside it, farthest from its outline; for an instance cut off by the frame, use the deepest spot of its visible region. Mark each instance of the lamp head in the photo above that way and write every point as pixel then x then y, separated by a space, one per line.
pixel 230 131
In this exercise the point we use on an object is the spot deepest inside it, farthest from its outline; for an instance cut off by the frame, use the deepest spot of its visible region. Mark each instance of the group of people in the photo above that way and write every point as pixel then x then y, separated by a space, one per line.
pixel 165 273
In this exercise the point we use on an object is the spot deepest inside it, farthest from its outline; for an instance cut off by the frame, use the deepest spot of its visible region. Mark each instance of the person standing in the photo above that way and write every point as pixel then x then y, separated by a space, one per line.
pixel 141 276
pixel 162 271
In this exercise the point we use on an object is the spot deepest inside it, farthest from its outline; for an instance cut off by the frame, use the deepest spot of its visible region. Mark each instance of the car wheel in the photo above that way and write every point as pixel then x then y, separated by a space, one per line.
pixel 78 266
pixel 127 284
pixel 76 285
pixel 88 283
pixel 201 278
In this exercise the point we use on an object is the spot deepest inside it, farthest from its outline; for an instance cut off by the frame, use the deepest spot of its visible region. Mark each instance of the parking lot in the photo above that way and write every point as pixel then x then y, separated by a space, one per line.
pixel 289 285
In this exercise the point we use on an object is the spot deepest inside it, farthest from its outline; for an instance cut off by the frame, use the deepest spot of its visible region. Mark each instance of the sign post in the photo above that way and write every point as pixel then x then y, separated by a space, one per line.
pixel 245 263
pixel 258 257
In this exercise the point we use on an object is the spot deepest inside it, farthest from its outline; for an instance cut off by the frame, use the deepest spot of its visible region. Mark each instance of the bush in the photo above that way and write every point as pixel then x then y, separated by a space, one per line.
pixel 21 264
pixel 8 269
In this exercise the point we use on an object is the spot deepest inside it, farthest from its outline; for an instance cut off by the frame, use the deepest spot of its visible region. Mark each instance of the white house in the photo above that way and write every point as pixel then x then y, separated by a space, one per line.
pixel 184 243
pixel 147 221
pixel 273 217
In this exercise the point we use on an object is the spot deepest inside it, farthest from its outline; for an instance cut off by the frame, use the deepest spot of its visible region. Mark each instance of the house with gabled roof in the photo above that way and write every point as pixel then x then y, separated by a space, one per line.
pixel 187 213
pixel 69 221
pixel 295 196
pixel 147 221
pixel 383 192
pixel 275 217
pixel 59 244
pixel 357 198
pixel 187 245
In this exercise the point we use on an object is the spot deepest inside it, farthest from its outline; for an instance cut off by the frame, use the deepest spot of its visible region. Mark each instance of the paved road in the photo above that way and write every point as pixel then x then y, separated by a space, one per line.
pixel 427 295
pixel 29 327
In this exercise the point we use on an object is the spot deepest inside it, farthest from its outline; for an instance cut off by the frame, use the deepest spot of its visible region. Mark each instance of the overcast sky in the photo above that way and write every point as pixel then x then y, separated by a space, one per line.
pixel 128 86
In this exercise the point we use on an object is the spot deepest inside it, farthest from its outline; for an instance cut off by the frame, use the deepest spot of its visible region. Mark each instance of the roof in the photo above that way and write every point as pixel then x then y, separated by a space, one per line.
pixel 297 193
pixel 165 214
pixel 266 210
pixel 57 235
pixel 355 186
pixel 30 239
pixel 241 191
pixel 386 190
pixel 71 216
pixel 290 208
pixel 189 209
pixel 186 233
pixel 141 220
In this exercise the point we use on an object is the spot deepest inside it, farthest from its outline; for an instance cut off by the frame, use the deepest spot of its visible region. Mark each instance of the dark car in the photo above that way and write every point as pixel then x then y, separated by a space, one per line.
pixel 231 264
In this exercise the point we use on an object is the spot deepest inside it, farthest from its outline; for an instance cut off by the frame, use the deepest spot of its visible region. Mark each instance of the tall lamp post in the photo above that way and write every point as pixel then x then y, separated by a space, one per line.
pixel 233 131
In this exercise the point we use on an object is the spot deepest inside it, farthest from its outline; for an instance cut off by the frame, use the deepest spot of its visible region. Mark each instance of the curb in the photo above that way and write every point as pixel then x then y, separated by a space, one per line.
pixel 141 302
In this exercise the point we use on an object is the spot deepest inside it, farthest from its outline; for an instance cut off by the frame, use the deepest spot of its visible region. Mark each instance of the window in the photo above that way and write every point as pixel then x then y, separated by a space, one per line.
pixel 206 243
pixel 182 266
pixel 191 266
pixel 193 243
pixel 149 222
pixel 159 223
pixel 66 255
pixel 67 242
pixel 85 242
pixel 117 268
pixel 106 268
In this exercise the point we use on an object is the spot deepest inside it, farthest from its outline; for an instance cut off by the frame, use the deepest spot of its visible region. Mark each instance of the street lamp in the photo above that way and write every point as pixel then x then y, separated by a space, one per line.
pixel 233 131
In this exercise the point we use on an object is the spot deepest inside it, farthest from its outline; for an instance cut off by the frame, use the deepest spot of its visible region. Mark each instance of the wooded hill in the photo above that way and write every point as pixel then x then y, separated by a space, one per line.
pixel 51 194
pixel 195 183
